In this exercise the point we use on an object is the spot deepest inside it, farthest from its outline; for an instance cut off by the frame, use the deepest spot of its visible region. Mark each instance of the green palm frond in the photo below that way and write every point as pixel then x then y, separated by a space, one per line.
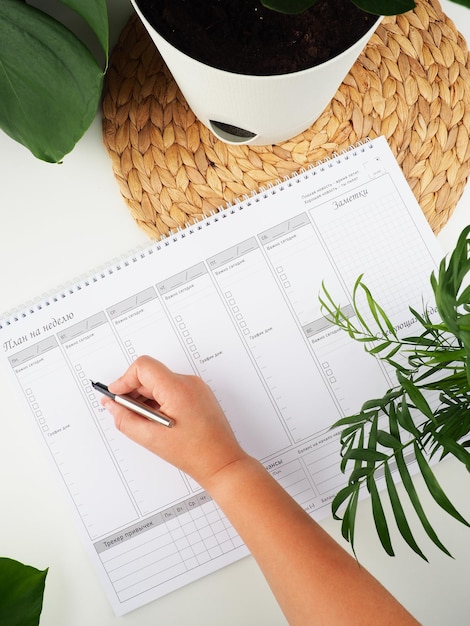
pixel 379 442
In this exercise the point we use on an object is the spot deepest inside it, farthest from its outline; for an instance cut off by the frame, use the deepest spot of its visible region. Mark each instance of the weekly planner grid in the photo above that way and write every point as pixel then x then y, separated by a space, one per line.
pixel 235 300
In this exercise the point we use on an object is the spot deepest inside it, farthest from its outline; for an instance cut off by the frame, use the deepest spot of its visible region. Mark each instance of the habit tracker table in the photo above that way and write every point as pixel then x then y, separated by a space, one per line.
pixel 235 301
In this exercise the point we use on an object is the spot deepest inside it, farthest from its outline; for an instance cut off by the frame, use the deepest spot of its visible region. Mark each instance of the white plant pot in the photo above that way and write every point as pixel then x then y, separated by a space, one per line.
pixel 256 110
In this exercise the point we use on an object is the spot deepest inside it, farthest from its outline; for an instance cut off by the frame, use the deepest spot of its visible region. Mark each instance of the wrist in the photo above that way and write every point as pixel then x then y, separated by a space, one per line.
pixel 226 485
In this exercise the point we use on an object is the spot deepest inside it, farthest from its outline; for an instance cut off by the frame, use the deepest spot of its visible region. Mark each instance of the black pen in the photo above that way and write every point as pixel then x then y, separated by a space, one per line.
pixel 134 405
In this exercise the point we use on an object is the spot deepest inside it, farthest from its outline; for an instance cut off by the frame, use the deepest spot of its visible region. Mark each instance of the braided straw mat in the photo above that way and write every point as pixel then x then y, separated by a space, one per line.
pixel 411 84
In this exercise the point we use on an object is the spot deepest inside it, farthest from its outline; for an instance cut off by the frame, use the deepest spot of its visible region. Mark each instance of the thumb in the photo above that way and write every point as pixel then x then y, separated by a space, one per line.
pixel 129 423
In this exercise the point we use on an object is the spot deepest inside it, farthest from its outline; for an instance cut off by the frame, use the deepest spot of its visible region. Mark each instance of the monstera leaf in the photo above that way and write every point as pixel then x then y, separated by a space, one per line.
pixel 50 82
pixel 21 593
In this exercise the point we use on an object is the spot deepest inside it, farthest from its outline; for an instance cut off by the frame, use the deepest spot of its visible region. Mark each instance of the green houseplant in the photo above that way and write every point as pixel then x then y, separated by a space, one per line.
pixel 21 593
pixel 49 80
pixel 376 7
pixel 425 417
pixel 267 76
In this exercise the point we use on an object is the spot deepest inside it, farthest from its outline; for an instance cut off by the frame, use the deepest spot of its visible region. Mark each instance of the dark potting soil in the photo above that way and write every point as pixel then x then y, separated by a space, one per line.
pixel 243 36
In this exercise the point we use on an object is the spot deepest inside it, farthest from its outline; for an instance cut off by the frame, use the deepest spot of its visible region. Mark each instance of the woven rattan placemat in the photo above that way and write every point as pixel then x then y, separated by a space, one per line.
pixel 411 84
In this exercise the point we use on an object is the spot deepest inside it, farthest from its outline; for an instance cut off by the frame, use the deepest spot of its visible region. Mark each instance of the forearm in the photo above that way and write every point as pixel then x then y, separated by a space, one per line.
pixel 314 580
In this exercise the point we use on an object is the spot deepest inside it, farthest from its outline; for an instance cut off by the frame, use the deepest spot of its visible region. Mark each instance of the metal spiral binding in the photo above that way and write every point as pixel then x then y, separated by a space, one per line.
pixel 67 289
pixel 223 211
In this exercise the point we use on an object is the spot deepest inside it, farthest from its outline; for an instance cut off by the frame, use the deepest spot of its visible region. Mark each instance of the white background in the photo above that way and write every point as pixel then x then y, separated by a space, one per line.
pixel 60 221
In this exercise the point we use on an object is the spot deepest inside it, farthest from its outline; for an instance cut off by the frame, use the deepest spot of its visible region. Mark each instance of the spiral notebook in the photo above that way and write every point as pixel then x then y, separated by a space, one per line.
pixel 233 299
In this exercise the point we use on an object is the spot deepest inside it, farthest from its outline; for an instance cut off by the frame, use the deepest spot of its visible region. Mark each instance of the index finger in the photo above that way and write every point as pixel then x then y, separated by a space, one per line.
pixel 147 376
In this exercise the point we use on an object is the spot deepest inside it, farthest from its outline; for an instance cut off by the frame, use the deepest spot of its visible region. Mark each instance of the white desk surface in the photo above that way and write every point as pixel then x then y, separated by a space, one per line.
pixel 60 221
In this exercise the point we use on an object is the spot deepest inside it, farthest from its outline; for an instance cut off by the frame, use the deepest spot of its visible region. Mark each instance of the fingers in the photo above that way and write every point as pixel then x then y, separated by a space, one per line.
pixel 145 372
pixel 136 427
pixel 188 400
pixel 174 393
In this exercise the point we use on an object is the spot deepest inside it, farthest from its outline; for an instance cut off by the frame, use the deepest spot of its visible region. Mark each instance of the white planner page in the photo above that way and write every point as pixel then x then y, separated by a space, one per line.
pixel 235 300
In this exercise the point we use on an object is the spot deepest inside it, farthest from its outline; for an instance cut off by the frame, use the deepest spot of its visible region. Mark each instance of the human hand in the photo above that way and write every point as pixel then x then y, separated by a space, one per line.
pixel 201 442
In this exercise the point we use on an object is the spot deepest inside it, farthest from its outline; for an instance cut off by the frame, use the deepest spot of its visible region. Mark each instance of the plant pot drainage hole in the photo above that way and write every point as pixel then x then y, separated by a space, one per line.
pixel 228 132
